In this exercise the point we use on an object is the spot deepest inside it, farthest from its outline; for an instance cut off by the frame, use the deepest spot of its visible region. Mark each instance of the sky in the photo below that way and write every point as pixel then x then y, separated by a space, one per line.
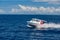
pixel 40 7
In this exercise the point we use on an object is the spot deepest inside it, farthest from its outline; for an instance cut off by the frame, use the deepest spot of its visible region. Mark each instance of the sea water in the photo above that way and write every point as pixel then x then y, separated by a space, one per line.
pixel 13 27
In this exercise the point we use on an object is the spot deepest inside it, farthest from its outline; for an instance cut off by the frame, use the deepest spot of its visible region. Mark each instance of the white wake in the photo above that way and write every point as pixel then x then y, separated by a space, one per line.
pixel 48 25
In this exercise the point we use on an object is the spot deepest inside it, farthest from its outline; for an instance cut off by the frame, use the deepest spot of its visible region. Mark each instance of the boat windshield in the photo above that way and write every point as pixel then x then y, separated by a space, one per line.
pixel 36 20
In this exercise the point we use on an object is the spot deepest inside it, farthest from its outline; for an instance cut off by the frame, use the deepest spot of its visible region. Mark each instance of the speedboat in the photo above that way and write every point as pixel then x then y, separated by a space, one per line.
pixel 36 23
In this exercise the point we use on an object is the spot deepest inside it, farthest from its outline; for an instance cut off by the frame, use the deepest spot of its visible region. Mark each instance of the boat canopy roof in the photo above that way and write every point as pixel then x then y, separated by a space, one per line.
pixel 38 20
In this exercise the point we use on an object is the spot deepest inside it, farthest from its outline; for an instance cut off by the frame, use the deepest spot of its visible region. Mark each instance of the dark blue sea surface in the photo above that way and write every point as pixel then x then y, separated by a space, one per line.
pixel 13 27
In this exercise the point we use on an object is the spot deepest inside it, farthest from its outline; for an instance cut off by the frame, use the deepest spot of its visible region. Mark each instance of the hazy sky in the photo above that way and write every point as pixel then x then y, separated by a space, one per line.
pixel 48 7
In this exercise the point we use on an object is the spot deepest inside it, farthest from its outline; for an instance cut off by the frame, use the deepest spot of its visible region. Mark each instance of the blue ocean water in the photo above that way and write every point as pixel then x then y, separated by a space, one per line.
pixel 13 27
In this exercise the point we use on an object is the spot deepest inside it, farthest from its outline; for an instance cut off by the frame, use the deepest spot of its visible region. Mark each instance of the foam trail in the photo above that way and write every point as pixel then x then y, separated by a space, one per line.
pixel 49 25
